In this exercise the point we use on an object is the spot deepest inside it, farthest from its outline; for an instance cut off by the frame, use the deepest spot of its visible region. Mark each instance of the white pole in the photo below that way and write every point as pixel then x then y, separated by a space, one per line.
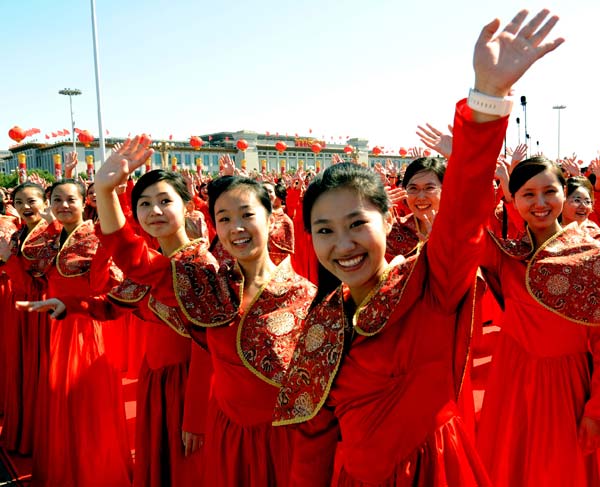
pixel 97 70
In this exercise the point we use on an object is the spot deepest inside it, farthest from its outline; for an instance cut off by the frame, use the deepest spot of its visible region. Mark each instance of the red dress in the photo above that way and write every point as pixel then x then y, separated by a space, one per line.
pixel 164 389
pixel 27 344
pixel 388 377
pixel 528 428
pixel 249 350
pixel 7 228
pixel 281 237
pixel 83 435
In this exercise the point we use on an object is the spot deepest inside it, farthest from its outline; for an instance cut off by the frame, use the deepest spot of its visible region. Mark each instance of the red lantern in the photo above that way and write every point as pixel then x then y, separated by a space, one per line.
pixel 85 138
pixel 376 151
pixel 280 146
pixel 242 144
pixel 196 142
pixel 17 134
pixel 348 149
pixel 144 139
pixel 316 147
pixel 403 151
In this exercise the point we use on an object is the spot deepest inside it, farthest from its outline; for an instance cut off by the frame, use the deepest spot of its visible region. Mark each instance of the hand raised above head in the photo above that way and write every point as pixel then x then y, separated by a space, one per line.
pixel 500 59
pixel 123 161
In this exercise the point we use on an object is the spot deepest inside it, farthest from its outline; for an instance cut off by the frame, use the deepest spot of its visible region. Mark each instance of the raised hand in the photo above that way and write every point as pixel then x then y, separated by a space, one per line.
pixel 500 59
pixel 37 179
pixel 570 165
pixel 396 195
pixel 436 140
pixel 124 159
pixel 70 164
pixel 227 165
pixel 55 305
pixel 336 159
pixel 518 155
pixel 416 152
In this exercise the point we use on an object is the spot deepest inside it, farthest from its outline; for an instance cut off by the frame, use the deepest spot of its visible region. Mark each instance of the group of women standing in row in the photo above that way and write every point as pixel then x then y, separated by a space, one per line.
pixel 372 366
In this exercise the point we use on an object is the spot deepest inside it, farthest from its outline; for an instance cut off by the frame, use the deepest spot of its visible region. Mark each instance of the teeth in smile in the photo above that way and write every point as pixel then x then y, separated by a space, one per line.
pixel 422 207
pixel 541 213
pixel 241 241
pixel 350 262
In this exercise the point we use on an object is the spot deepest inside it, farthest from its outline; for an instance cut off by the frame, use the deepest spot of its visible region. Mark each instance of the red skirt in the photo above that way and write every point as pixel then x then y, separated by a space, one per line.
pixel 159 453
pixel 445 459
pixel 82 431
pixel 237 455
pixel 26 345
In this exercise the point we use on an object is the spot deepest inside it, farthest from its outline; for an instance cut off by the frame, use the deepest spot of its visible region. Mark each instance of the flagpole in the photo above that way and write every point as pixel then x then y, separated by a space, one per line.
pixel 97 70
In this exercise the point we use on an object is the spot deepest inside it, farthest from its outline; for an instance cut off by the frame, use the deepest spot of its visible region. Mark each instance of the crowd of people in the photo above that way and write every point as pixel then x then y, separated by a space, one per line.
pixel 313 329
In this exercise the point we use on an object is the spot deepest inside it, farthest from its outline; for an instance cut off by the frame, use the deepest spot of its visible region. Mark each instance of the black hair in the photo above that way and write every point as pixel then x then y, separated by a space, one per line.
pixel 424 164
pixel 226 183
pixel 528 168
pixel 345 175
pixel 579 182
pixel 174 179
pixel 80 187
pixel 29 184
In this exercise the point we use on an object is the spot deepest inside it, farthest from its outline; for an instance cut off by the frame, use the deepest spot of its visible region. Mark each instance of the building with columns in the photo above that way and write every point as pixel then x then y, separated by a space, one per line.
pixel 260 155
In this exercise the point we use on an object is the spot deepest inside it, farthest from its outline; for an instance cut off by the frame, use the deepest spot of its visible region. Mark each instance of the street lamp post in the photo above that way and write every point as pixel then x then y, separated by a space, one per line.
pixel 71 93
pixel 558 108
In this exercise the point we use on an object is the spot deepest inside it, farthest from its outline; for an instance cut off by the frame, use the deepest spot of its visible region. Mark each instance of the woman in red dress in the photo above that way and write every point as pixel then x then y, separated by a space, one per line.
pixel 377 361
pixel 540 423
pixel 579 204
pixel 7 228
pixel 248 316
pixel 173 377
pixel 83 435
pixel 27 336
pixel 281 236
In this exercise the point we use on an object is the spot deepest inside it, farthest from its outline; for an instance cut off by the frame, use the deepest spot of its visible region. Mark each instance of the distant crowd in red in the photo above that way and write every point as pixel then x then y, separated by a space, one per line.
pixel 313 329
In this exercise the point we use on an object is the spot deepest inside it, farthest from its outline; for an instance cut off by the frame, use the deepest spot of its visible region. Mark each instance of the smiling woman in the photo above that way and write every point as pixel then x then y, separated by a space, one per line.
pixel 248 312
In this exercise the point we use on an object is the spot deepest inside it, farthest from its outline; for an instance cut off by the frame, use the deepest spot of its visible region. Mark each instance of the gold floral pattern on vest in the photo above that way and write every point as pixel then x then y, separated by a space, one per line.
pixel 41 246
pixel 168 314
pixel 314 364
pixel 373 313
pixel 75 256
pixel 129 291
pixel 270 328
pixel 564 273
pixel 281 238
pixel 208 295
pixel 520 249
pixel 318 354
pixel 403 238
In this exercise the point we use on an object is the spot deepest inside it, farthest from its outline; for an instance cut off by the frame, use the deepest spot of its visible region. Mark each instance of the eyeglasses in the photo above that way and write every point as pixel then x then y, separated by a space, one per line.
pixel 579 201
pixel 415 190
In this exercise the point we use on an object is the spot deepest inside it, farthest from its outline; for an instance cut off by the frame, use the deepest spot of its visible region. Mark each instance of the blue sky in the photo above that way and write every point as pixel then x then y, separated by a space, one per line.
pixel 371 69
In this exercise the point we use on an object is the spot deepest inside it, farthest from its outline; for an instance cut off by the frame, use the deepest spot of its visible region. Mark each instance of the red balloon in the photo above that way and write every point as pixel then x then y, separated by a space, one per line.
pixel 348 149
pixel 402 151
pixel 17 134
pixel 242 144
pixel 316 147
pixel 280 146
pixel 377 151
pixel 85 137
pixel 196 142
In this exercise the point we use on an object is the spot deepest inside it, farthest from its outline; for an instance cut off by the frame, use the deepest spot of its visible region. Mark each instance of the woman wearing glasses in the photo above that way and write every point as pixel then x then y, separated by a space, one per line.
pixel 580 204
pixel 423 185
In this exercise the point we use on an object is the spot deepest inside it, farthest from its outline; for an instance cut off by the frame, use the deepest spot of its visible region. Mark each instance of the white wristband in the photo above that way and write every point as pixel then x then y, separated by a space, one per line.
pixel 491 105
